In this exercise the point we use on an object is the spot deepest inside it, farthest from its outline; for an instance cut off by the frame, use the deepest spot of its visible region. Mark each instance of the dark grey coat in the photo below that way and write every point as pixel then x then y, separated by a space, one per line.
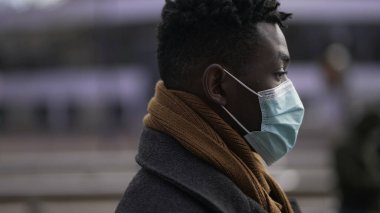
pixel 174 180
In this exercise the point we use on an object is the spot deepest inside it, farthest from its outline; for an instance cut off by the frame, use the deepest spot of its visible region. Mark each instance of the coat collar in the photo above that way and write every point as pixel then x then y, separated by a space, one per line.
pixel 164 156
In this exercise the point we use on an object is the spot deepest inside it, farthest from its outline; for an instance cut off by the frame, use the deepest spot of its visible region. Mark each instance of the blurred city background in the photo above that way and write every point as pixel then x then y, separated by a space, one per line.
pixel 76 75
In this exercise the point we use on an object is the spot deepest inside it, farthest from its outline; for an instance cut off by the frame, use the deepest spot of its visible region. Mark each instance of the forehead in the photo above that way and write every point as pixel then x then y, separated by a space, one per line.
pixel 271 38
pixel 270 53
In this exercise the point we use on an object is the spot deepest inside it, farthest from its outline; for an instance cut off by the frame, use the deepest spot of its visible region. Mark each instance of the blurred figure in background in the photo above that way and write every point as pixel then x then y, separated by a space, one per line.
pixel 358 165
pixel 334 106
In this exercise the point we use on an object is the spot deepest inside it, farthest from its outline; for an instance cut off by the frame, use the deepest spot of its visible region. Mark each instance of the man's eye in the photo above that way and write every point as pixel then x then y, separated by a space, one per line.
pixel 280 74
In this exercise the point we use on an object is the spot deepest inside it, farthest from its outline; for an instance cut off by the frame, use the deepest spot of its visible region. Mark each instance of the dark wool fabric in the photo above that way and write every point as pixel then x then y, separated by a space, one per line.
pixel 174 180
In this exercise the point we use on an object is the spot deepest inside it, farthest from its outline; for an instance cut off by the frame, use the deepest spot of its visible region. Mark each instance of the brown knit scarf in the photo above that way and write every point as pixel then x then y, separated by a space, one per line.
pixel 201 131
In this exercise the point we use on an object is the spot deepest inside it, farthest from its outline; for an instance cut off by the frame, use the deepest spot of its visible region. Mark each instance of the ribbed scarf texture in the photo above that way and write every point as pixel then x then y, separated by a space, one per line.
pixel 200 130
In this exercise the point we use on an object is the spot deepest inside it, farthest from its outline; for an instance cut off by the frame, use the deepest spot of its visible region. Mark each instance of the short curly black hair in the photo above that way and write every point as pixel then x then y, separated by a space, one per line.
pixel 196 33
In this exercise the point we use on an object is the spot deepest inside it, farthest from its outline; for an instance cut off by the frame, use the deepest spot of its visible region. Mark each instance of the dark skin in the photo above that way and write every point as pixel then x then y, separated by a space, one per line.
pixel 266 70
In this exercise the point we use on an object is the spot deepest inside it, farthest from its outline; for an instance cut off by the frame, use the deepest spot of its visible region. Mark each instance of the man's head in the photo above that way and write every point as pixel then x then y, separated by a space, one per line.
pixel 198 39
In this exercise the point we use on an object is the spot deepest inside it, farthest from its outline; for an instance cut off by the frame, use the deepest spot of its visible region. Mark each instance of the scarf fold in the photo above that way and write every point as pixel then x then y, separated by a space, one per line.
pixel 201 131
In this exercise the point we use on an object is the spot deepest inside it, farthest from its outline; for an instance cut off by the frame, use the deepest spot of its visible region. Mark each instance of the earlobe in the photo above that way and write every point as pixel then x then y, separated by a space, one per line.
pixel 212 82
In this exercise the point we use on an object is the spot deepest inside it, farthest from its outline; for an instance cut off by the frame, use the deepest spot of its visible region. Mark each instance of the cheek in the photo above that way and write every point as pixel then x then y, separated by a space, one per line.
pixel 270 82
pixel 246 108
pixel 252 119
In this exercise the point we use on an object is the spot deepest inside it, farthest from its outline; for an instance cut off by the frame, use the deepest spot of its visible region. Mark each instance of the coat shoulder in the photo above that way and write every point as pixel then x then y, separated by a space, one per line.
pixel 149 193
pixel 172 179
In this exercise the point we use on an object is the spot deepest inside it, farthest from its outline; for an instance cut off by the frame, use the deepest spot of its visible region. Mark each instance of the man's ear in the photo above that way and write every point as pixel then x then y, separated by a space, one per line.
pixel 212 81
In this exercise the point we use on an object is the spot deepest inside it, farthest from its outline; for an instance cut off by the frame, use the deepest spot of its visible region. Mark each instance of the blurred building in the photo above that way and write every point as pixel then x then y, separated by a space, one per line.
pixel 47 38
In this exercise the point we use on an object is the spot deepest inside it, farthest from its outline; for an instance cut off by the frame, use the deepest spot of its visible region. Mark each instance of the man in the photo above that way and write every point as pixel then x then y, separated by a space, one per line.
pixel 224 104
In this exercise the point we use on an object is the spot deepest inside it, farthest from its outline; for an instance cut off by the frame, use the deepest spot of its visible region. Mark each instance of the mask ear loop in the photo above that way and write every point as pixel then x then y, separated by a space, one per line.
pixel 235 119
pixel 241 83
pixel 249 89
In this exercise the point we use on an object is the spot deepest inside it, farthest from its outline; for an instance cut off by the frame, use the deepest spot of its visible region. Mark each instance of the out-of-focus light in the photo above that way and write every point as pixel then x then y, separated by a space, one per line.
pixel 338 56
pixel 289 179
pixel 27 4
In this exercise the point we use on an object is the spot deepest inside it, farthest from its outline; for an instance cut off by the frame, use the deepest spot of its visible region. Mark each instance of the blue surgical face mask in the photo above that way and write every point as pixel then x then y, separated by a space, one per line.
pixel 282 114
